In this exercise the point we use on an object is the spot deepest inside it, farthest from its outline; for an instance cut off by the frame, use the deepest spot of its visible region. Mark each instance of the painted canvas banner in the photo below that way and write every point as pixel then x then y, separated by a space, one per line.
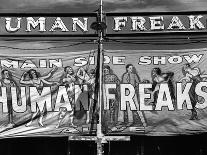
pixel 40 92
pixel 145 92
pixel 155 92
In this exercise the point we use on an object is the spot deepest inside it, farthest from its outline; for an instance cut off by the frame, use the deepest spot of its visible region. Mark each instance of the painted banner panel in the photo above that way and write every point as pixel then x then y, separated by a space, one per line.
pixel 40 92
pixel 145 92
pixel 155 92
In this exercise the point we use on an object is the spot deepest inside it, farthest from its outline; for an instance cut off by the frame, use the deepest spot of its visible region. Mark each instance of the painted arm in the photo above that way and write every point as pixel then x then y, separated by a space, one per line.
pixel 23 81
pixel 50 73
pixel 125 78
pixel 48 83
pixel 168 76
pixel 154 84
pixel 68 78
pixel 117 80
pixel 186 78
pixel 137 79
pixel 81 73
pixel 203 75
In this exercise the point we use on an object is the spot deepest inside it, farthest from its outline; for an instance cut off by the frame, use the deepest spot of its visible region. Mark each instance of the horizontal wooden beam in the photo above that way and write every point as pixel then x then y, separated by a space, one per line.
pixel 94 138
pixel 82 138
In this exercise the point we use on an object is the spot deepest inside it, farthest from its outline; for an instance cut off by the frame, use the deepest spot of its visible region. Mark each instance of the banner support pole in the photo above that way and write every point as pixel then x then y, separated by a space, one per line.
pixel 100 135
pixel 100 138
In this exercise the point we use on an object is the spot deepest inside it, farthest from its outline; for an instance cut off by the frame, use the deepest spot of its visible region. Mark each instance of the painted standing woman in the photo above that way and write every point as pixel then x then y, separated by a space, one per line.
pixel 158 78
pixel 33 78
pixel 68 80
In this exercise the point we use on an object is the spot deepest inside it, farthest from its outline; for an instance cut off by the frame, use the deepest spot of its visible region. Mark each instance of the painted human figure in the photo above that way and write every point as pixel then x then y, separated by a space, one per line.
pixel 157 78
pixel 68 80
pixel 82 76
pixel 91 91
pixel 111 78
pixel 91 80
pixel 33 78
pixel 8 82
pixel 131 77
pixel 193 75
pixel 82 98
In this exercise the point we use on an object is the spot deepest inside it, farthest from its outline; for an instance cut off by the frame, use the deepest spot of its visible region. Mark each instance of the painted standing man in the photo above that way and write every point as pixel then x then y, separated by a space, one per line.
pixel 131 77
pixel 8 82
pixel 111 78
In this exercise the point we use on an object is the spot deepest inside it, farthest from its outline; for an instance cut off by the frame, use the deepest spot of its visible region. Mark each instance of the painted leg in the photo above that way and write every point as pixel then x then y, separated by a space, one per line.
pixel 141 116
pixel 40 122
pixel 33 116
pixel 59 122
pixel 71 121
pixel 87 117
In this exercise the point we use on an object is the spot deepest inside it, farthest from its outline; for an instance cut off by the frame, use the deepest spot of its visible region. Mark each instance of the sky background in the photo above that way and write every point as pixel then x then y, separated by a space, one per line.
pixel 69 6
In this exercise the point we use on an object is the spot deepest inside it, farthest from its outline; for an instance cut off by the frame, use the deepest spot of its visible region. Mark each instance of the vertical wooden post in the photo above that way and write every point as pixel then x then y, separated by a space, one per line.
pixel 100 135
pixel 100 138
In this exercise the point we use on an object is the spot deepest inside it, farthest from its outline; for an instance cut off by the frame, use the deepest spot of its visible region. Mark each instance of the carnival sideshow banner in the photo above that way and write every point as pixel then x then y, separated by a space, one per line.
pixel 145 92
